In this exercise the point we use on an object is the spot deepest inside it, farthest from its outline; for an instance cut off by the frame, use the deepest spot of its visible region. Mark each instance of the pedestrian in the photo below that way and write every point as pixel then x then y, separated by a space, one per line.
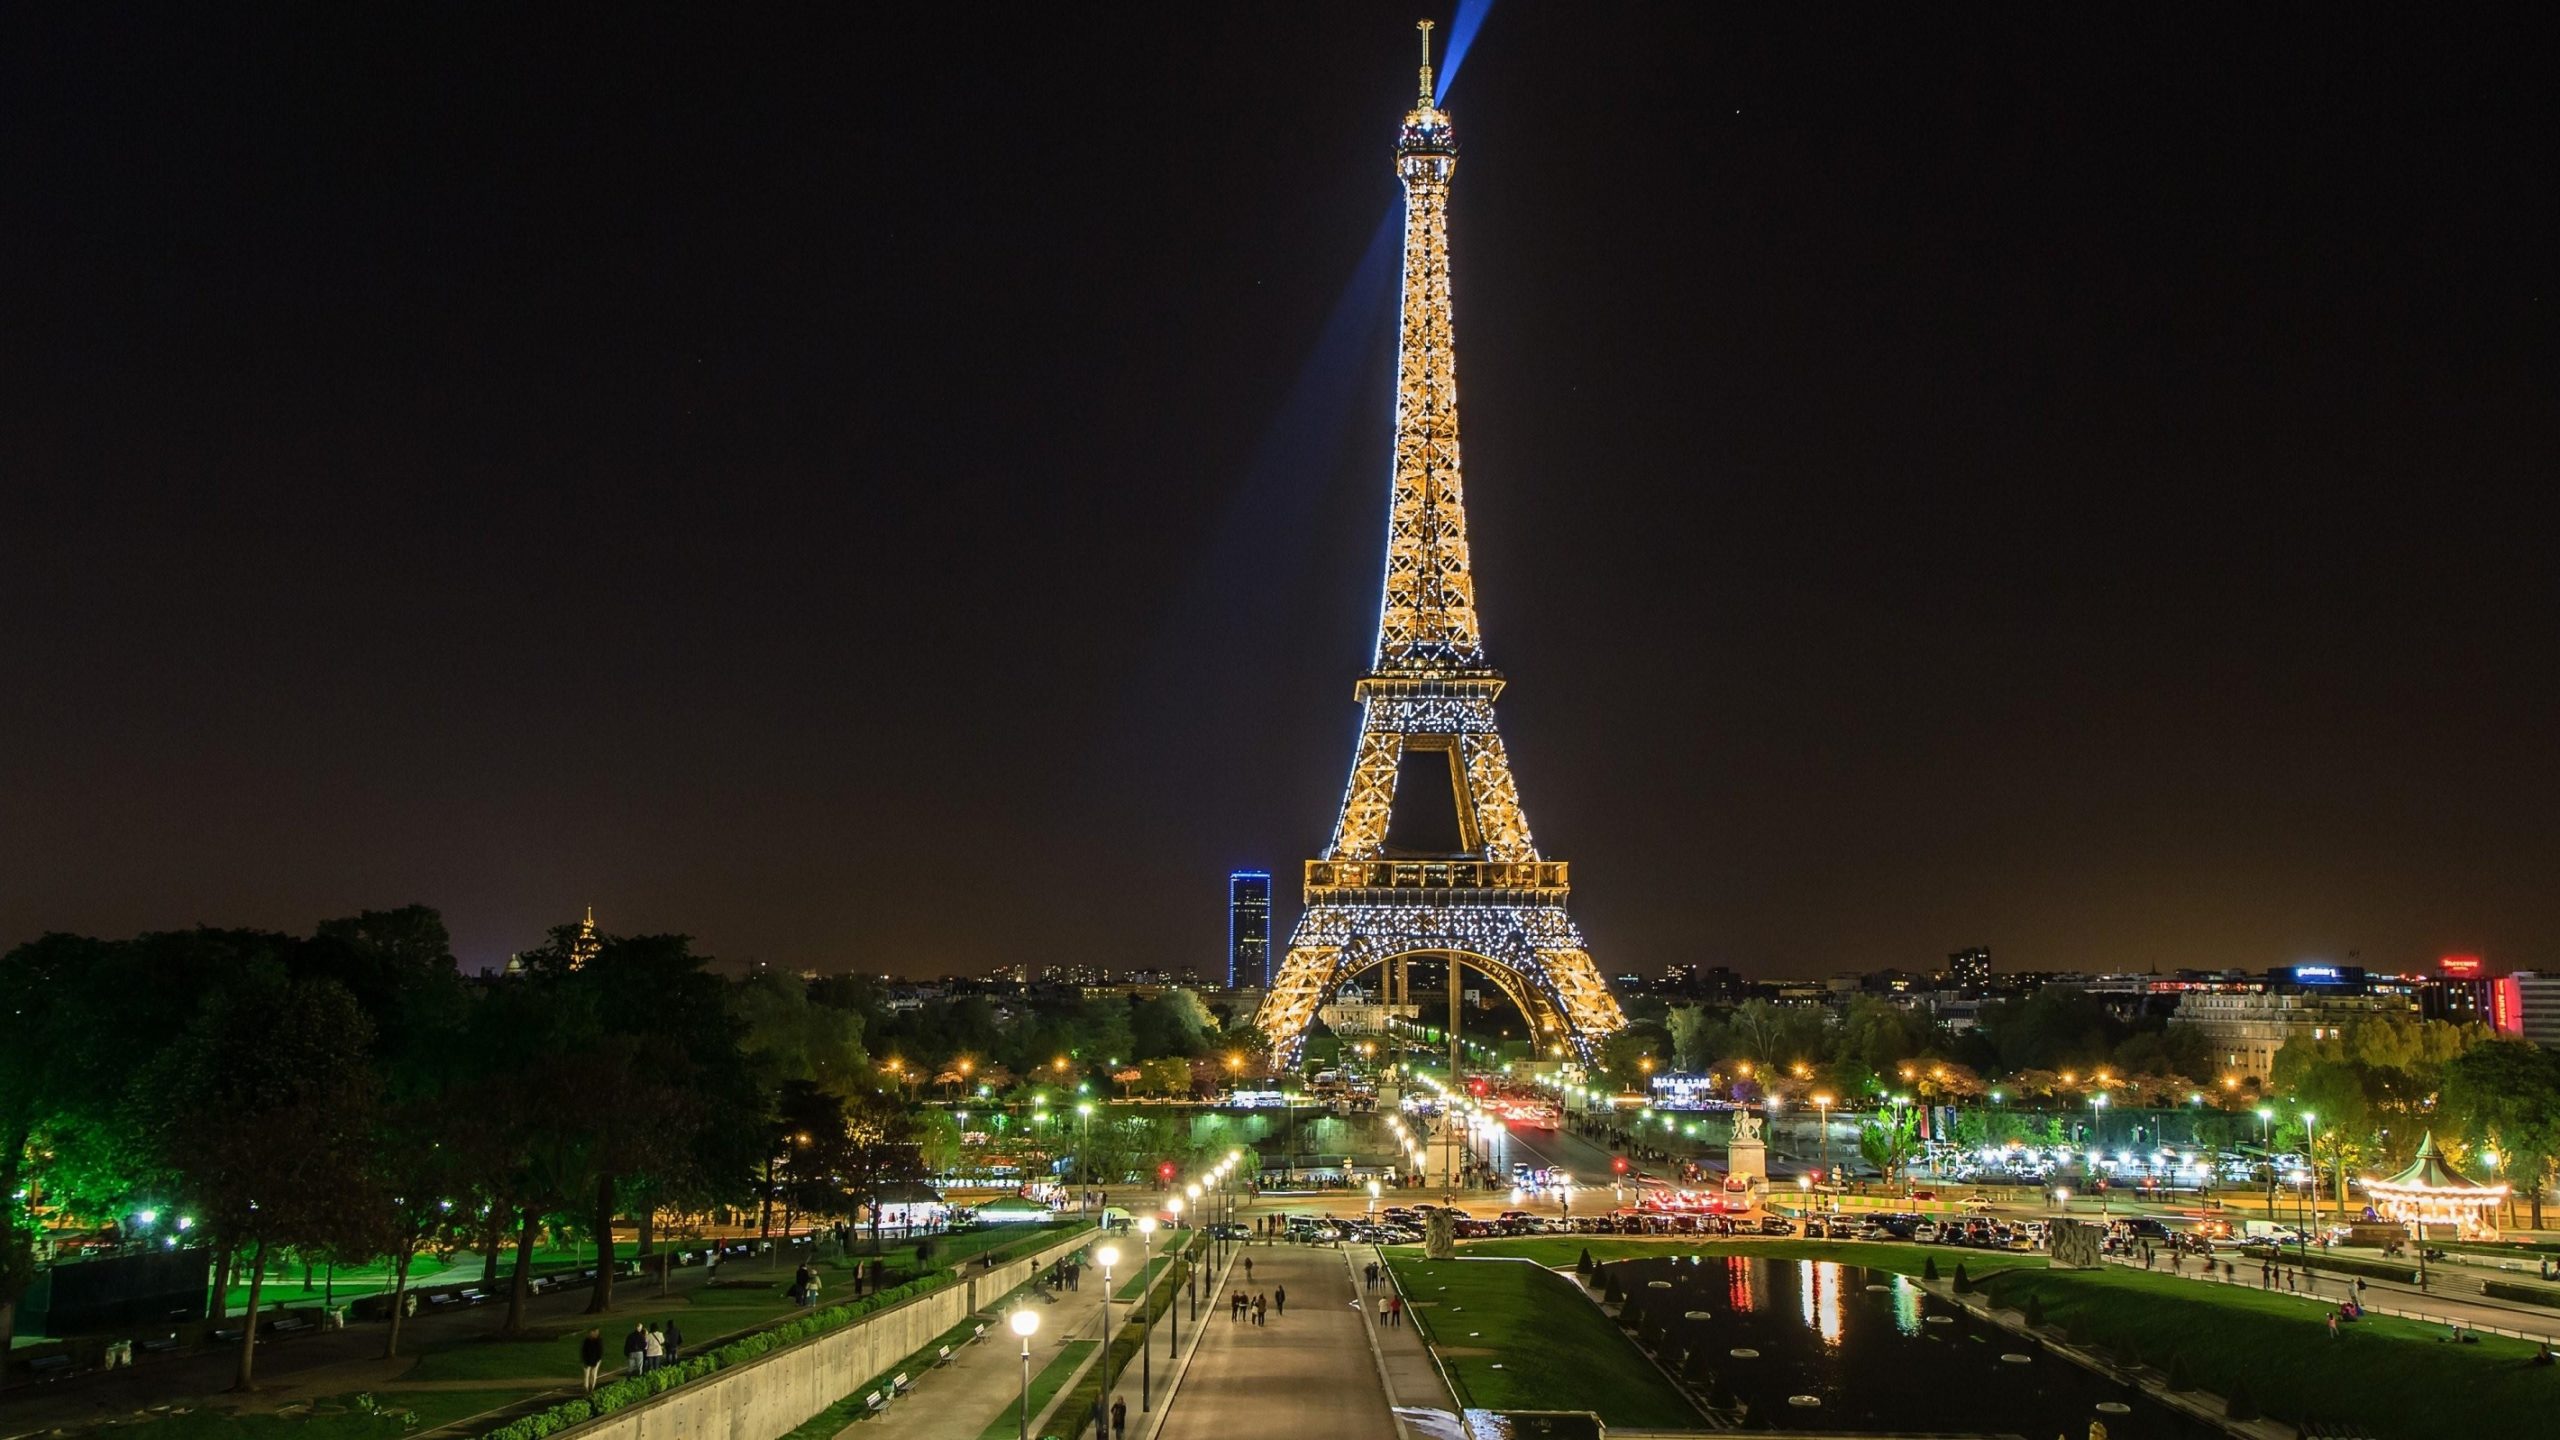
pixel 1395 1312
pixel 711 1267
pixel 1248 1269
pixel 591 1355
pixel 653 1350
pixel 1261 1307
pixel 1236 1305
pixel 1280 1298
pixel 635 1348
pixel 674 1342
pixel 2333 1324
pixel 1119 1417
pixel 2266 1275
pixel 1075 1274
pixel 809 1296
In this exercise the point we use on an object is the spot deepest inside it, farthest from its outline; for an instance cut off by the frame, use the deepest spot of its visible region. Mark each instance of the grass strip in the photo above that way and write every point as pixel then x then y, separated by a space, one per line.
pixel 1106 1372
pixel 1520 1337
pixel 335 1417
pixel 1043 1385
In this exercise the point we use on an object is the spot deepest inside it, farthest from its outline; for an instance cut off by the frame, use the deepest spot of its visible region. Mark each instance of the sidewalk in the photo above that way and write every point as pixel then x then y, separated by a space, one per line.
pixel 983 1382
pixel 1309 1369
pixel 1412 1376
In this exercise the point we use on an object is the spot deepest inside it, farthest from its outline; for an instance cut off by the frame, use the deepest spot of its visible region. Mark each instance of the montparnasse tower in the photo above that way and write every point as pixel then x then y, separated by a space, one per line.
pixel 1491 903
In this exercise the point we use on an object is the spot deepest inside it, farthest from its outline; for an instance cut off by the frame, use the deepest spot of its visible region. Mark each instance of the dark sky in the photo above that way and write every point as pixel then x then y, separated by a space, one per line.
pixel 904 487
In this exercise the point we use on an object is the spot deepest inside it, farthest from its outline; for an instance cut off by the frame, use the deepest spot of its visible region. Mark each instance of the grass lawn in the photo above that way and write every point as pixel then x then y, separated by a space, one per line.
pixel 332 1418
pixel 1519 1337
pixel 2389 1376
pixel 1043 1385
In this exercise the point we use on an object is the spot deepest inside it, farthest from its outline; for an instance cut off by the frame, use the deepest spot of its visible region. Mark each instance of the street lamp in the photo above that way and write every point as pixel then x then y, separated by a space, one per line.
pixel 1147 1312
pixel 1373 1202
pixel 1024 1322
pixel 2267 1153
pixel 1106 1257
pixel 2310 1175
pixel 1822 1102
pixel 1084 1144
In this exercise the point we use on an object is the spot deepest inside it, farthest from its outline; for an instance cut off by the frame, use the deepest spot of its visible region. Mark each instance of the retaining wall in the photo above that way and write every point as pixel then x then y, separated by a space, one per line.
pixel 772 1395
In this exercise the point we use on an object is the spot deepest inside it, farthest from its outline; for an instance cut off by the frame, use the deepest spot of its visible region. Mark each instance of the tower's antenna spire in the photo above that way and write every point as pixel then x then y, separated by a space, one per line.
pixel 1425 27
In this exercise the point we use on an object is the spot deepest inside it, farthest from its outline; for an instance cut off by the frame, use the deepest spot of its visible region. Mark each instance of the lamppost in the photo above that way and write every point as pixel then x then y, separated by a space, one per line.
pixel 1084 1142
pixel 1373 1202
pixel 2310 1176
pixel 1822 1102
pixel 1024 1322
pixel 1146 1312
pixel 1173 1332
pixel 2267 1153
pixel 1106 1257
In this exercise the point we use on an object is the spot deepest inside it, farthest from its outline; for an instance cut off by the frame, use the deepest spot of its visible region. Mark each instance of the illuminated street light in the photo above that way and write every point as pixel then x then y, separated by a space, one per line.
pixel 1025 1323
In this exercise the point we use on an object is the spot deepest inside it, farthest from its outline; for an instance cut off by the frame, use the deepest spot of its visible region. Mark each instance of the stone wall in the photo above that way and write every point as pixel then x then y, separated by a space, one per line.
pixel 772 1395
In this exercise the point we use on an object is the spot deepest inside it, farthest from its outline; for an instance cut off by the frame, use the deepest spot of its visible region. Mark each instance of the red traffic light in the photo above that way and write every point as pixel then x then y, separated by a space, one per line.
pixel 1619 1164
pixel 1165 1171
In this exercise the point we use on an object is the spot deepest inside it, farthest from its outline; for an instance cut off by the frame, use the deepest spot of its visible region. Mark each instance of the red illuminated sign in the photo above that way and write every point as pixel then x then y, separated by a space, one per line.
pixel 2461 967
pixel 2506 1007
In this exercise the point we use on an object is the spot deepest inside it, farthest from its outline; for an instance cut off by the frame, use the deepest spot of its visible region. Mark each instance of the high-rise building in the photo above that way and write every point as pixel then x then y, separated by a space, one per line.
pixel 1970 969
pixel 1249 928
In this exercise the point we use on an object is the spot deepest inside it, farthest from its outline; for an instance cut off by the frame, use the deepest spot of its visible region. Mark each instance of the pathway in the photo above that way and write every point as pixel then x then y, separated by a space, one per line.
pixel 1310 1371
pixel 984 1381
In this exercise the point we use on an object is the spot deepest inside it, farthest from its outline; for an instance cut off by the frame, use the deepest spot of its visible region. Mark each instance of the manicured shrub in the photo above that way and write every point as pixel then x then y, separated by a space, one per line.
pixel 2035 1313
pixel 1583 1267
pixel 2240 1404
pixel 1929 1268
pixel 2179 1379
pixel 1964 1282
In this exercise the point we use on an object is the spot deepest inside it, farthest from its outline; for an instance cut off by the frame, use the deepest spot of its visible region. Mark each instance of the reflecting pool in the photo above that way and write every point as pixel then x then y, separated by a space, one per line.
pixel 1817 1344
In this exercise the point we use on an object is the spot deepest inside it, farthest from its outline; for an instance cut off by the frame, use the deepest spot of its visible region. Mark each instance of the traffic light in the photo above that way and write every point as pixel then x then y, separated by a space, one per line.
pixel 1164 1172
pixel 1619 1164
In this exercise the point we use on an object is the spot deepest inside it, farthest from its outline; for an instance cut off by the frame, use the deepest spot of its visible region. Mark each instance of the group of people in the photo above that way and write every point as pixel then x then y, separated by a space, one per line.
pixel 1257 1306
pixel 805 1286
pixel 645 1349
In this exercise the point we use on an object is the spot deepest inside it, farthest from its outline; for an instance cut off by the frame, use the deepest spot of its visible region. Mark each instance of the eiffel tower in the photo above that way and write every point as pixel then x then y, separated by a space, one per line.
pixel 1493 903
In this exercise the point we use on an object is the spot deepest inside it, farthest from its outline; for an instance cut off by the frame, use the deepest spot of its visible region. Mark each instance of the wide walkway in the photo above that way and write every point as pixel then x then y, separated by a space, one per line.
pixel 1309 1371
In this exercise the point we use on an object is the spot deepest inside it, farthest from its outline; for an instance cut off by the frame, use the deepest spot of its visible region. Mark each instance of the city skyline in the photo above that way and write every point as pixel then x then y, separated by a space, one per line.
pixel 2040 487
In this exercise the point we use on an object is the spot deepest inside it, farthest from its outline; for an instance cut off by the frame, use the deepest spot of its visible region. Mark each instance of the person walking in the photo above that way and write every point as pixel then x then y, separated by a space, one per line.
pixel 635 1348
pixel 653 1350
pixel 672 1339
pixel 1280 1299
pixel 1119 1418
pixel 1395 1312
pixel 1248 1269
pixel 591 1355
pixel 1261 1307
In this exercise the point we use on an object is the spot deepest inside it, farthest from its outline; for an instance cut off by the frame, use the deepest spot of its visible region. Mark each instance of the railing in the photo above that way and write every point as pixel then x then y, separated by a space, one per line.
pixel 1531 875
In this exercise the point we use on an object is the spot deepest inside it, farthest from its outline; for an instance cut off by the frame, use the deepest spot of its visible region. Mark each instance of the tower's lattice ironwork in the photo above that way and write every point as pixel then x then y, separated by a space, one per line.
pixel 1497 905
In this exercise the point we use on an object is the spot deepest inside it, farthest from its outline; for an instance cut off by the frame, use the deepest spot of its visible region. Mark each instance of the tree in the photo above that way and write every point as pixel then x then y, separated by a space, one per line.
pixel 264 1106
pixel 1889 1140
pixel 881 1154
pixel 788 1036
pixel 1168 1076
pixel 2509 1093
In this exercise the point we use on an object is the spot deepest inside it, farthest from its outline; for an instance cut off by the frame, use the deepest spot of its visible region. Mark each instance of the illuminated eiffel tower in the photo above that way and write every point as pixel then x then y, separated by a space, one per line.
pixel 1491 903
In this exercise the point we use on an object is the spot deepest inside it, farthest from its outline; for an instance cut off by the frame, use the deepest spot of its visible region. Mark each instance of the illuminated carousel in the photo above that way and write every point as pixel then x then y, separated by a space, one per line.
pixel 2434 1197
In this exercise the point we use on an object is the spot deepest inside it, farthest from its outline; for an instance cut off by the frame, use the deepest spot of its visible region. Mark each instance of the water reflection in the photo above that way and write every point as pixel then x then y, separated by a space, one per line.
pixel 1820 1280
pixel 1891 1358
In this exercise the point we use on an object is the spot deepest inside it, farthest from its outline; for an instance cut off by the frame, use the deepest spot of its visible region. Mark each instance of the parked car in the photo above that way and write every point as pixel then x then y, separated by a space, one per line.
pixel 1777 1225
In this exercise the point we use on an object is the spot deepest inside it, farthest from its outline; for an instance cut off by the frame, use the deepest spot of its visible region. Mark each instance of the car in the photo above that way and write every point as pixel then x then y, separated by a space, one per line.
pixel 1926 1232
pixel 1777 1225
pixel 1229 1231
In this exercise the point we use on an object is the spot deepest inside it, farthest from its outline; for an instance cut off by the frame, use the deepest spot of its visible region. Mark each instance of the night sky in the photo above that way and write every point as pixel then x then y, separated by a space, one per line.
pixel 905 490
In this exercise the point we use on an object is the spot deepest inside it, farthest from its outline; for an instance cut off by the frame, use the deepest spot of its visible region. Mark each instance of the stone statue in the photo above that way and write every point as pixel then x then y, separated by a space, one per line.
pixel 1746 1128
pixel 1440 1235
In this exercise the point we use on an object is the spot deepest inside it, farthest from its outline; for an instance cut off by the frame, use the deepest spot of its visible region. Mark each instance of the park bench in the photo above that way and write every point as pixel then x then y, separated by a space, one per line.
pixel 474 1297
pixel 224 1337
pixel 443 1300
pixel 978 1334
pixel 901 1385
pixel 943 1358
pixel 293 1325
pixel 158 1345
pixel 49 1367
pixel 874 1403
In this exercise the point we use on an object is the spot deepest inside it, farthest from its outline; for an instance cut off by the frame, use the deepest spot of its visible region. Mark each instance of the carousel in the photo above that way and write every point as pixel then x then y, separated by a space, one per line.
pixel 2434 1197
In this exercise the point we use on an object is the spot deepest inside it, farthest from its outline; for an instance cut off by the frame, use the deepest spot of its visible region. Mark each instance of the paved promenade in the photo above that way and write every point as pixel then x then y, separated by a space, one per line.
pixel 1311 1370
pixel 983 1382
